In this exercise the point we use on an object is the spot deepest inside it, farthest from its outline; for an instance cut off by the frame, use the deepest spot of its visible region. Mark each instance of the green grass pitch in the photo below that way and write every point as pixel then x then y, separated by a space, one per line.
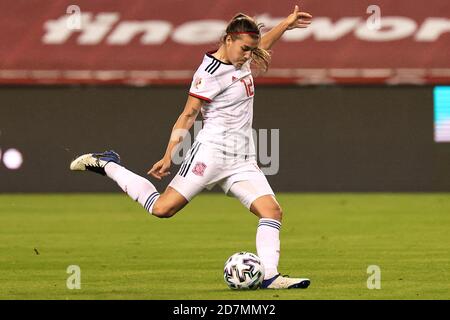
pixel 124 253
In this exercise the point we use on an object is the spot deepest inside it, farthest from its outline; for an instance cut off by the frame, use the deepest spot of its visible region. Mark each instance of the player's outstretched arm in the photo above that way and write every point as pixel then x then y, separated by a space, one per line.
pixel 182 126
pixel 295 20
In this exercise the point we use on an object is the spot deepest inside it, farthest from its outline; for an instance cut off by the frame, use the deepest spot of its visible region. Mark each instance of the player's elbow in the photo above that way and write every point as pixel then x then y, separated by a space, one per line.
pixel 190 114
pixel 187 119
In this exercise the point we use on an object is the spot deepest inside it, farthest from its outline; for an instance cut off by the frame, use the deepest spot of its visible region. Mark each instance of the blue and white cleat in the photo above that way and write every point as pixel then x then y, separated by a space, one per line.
pixel 94 162
pixel 284 282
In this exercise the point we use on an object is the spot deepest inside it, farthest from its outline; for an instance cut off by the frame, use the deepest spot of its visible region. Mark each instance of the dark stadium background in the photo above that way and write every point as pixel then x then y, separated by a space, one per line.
pixel 355 110
pixel 339 138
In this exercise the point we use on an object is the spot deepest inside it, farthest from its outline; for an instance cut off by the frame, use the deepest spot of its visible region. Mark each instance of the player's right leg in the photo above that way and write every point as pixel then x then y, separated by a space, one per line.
pixel 251 187
pixel 266 207
pixel 138 188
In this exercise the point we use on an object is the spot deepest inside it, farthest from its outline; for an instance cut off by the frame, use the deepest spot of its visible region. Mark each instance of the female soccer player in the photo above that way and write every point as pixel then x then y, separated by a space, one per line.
pixel 223 153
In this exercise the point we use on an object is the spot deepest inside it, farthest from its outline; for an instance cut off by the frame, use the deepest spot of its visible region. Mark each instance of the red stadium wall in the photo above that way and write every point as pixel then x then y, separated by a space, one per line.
pixel 146 42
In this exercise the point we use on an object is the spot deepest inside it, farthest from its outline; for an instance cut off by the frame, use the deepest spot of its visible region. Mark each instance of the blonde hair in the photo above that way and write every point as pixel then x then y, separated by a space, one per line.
pixel 240 24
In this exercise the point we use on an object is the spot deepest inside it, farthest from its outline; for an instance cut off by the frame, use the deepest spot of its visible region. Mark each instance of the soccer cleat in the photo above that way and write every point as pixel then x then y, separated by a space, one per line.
pixel 94 162
pixel 284 282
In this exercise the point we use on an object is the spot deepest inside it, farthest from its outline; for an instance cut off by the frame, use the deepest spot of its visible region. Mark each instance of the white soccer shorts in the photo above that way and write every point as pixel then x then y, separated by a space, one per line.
pixel 205 167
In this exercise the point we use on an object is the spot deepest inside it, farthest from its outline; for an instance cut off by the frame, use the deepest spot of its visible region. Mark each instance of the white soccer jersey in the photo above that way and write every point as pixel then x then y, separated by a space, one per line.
pixel 228 111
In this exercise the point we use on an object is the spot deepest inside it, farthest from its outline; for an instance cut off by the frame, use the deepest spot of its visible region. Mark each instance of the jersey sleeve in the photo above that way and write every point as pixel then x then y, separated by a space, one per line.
pixel 204 86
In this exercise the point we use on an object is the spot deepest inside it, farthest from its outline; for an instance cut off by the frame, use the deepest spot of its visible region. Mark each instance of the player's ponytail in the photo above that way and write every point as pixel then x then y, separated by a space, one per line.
pixel 240 24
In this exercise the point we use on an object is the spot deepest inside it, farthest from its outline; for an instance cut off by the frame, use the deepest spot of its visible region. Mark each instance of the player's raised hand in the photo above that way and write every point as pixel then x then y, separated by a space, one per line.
pixel 160 169
pixel 298 19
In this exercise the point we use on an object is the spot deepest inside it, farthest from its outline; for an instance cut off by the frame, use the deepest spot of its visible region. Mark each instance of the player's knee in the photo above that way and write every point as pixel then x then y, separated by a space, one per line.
pixel 162 210
pixel 272 212
pixel 277 212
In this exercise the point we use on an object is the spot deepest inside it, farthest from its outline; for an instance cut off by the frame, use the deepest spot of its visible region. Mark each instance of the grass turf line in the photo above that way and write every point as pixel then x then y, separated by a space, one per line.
pixel 124 253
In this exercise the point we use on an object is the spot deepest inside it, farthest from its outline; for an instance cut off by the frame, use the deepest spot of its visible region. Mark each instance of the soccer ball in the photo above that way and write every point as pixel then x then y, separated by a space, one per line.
pixel 243 270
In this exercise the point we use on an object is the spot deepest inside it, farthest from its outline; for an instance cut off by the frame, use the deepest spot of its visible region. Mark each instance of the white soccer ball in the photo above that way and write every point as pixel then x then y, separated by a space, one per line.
pixel 243 270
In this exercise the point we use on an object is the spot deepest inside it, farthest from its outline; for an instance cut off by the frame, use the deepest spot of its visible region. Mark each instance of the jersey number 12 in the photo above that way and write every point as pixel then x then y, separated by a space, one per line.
pixel 248 87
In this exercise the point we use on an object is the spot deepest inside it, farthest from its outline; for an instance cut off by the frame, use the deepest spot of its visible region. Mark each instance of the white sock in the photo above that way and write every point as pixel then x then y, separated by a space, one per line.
pixel 268 245
pixel 137 187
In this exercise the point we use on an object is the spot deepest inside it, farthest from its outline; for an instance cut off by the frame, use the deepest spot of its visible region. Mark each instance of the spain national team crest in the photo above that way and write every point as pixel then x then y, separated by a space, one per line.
pixel 199 169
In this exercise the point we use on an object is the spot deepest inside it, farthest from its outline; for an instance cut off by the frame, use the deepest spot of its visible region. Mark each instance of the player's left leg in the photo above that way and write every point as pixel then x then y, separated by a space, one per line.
pixel 141 190
pixel 256 194
pixel 108 164
pixel 190 180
